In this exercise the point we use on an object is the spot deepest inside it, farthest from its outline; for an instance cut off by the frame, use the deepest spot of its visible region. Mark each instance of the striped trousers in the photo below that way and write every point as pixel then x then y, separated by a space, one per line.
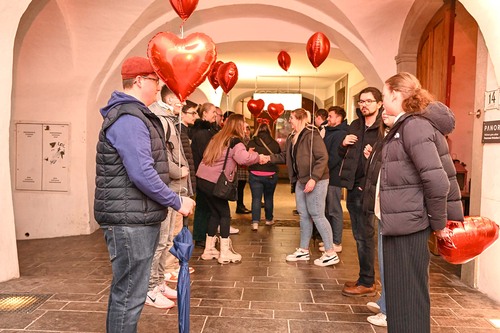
pixel 406 273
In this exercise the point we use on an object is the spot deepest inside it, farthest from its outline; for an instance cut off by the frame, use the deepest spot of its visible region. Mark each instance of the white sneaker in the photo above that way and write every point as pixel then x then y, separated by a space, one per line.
pixel 326 260
pixel 155 298
pixel 337 248
pixel 379 319
pixel 232 230
pixel 373 307
pixel 255 226
pixel 167 291
pixel 270 222
pixel 299 254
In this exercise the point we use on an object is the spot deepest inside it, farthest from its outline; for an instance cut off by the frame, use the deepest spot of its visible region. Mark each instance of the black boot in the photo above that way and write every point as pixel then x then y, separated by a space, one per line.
pixel 242 210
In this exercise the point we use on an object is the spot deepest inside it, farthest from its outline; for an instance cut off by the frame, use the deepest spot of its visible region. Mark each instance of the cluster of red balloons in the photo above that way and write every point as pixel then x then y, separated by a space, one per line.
pixel 224 75
pixel 275 110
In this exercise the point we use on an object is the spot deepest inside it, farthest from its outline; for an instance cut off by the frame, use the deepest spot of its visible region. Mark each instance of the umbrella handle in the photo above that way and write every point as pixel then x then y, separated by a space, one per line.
pixel 185 221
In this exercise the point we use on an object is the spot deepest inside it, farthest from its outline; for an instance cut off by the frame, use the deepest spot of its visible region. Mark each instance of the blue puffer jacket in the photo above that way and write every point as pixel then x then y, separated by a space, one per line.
pixel 418 185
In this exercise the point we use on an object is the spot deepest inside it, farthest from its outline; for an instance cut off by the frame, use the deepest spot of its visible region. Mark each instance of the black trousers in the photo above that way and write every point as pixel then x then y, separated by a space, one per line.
pixel 406 274
pixel 219 210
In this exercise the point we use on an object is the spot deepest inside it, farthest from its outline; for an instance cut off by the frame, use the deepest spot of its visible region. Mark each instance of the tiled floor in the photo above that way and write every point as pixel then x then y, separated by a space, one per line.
pixel 261 294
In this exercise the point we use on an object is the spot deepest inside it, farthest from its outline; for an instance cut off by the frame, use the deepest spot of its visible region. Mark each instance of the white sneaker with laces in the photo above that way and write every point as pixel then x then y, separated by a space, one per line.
pixel 255 226
pixel 379 319
pixel 327 260
pixel 373 307
pixel 299 254
pixel 155 298
pixel 167 291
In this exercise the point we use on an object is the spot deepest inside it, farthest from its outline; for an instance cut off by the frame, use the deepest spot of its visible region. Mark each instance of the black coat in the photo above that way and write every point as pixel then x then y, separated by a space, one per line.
pixel 333 139
pixel 201 133
pixel 257 143
pixel 352 170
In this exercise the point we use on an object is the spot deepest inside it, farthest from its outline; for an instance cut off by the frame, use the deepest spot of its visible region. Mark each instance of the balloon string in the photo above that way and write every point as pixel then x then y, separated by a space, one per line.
pixel 182 29
pixel 227 102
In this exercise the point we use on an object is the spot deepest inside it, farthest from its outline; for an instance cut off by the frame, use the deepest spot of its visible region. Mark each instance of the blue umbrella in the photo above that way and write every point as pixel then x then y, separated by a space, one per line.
pixel 183 249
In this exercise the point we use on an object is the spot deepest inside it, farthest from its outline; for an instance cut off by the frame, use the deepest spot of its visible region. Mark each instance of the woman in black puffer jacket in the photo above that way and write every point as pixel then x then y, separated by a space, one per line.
pixel 418 194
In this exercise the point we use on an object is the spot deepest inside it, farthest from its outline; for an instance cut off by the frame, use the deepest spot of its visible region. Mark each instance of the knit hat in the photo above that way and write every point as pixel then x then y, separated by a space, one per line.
pixel 136 66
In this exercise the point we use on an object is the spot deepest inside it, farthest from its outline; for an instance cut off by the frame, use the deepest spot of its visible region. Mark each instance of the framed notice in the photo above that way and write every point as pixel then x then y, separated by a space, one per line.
pixel 491 132
pixel 42 157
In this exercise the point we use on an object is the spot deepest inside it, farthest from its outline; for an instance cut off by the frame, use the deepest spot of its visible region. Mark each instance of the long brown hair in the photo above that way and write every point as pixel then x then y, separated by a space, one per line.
pixel 233 128
pixel 415 98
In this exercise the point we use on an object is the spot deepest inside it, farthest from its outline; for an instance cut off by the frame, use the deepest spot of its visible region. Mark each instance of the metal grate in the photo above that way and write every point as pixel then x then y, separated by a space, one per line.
pixel 21 303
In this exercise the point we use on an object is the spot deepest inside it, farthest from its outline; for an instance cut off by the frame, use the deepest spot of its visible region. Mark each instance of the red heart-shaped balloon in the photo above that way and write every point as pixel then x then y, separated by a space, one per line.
pixel 182 64
pixel 469 239
pixel 284 60
pixel 227 75
pixel 275 110
pixel 184 8
pixel 255 106
pixel 212 75
pixel 318 48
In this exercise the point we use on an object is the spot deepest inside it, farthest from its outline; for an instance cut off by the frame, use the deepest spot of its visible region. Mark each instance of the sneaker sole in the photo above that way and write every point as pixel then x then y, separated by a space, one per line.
pixel 329 263
pixel 359 295
pixel 160 307
pixel 373 309
pixel 298 259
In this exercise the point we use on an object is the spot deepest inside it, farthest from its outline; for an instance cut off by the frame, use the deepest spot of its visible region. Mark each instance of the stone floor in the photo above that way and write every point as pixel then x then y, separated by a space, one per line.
pixel 262 294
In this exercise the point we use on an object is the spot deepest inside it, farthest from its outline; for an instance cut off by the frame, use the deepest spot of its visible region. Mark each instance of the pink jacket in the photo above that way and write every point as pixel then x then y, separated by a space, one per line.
pixel 237 155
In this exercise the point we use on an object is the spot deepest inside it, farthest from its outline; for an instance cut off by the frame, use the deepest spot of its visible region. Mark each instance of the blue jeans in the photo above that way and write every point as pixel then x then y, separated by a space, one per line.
pixel 364 233
pixel 311 206
pixel 334 212
pixel 131 252
pixel 262 185
pixel 381 300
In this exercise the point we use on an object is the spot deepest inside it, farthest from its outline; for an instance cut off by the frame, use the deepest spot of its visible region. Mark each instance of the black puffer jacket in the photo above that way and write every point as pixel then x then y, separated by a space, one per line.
pixel 188 153
pixel 352 170
pixel 258 145
pixel 418 185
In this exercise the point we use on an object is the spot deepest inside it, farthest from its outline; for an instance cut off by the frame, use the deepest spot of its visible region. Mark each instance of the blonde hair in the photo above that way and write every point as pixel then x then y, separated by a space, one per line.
pixel 415 98
pixel 233 128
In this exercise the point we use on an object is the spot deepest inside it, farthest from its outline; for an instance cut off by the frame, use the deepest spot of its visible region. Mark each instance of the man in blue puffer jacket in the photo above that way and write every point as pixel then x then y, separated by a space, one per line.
pixel 131 193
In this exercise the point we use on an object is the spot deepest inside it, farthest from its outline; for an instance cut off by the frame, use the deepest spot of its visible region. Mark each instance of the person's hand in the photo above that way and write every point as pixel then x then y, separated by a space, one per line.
pixel 184 171
pixel 263 159
pixel 251 150
pixel 349 139
pixel 187 206
pixel 445 235
pixel 367 151
pixel 311 183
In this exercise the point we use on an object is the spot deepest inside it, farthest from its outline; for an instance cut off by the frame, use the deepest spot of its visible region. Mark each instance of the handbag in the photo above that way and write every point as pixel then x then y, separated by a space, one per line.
pixel 224 189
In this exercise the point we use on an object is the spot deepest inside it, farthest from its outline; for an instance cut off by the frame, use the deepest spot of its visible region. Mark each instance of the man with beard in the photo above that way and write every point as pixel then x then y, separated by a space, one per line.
pixel 361 132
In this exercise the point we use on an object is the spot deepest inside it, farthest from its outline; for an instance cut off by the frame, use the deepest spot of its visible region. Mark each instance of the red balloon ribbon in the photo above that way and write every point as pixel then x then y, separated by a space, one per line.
pixel 227 75
pixel 184 8
pixel 255 106
pixel 468 240
pixel 318 48
pixel 275 110
pixel 183 64
pixel 284 60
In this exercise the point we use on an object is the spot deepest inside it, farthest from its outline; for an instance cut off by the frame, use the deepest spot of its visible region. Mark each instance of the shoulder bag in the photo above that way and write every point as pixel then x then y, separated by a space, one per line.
pixel 224 189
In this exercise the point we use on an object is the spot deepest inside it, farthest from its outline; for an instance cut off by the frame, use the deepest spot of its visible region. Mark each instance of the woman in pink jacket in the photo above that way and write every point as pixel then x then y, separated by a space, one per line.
pixel 229 137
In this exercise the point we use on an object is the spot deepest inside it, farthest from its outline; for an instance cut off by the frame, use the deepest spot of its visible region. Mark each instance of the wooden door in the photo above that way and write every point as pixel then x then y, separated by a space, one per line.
pixel 435 53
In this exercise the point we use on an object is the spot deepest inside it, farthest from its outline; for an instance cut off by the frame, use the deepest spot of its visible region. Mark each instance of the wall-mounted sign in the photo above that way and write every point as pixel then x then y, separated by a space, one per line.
pixel 42 157
pixel 491 99
pixel 491 131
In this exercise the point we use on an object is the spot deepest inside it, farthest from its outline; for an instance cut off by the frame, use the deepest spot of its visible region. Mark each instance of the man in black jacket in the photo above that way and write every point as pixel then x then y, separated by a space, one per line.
pixel 361 132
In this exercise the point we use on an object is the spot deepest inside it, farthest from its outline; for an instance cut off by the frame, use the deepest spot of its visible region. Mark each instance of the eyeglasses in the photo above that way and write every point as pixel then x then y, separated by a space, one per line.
pixel 152 79
pixel 367 102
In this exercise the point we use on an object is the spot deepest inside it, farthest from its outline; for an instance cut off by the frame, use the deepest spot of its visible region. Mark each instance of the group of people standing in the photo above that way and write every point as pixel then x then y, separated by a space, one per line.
pixel 393 160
